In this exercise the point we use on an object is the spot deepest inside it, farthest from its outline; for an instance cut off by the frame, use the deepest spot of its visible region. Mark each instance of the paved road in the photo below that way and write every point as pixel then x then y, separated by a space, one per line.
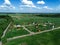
pixel 0 43
pixel 31 34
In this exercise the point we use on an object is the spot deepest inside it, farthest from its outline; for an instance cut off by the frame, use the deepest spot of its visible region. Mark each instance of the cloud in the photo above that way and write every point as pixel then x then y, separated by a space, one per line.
pixel 28 4
pixel 7 5
pixel 40 2
pixel 48 8
pixel 7 2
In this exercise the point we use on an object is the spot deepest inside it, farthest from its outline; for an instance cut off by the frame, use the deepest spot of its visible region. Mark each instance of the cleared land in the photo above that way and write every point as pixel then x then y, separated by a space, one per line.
pixel 49 38
pixel 16 32
pixel 31 24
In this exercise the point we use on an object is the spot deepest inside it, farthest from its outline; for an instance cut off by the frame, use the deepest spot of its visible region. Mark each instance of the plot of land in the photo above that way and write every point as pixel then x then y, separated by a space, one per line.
pixel 4 21
pixel 38 28
pixel 16 32
pixel 26 20
pixel 29 27
pixel 49 38
pixel 32 24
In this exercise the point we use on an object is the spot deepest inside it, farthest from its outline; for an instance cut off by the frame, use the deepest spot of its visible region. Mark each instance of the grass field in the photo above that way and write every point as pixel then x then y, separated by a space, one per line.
pixel 24 20
pixel 39 28
pixel 49 38
pixel 4 21
pixel 41 23
pixel 30 19
pixel 16 32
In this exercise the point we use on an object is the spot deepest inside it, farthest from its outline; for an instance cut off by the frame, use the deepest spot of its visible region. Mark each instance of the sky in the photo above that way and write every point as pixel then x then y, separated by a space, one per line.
pixel 30 6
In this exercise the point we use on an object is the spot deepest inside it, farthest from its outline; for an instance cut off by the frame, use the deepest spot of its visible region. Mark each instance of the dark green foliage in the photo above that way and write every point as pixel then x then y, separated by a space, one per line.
pixel 49 15
pixel 4 40
pixel 4 21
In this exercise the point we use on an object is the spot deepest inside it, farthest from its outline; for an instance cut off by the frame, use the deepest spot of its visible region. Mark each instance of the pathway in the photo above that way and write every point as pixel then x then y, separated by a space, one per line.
pixel 27 30
pixel 32 34
pixel 6 30
pixel 0 43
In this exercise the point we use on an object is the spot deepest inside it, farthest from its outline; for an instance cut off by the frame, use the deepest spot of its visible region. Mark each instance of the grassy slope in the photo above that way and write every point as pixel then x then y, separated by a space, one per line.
pixel 4 21
pixel 49 38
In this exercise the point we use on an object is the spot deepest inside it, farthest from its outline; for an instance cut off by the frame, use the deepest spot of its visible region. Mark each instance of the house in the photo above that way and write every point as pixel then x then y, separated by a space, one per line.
pixel 17 26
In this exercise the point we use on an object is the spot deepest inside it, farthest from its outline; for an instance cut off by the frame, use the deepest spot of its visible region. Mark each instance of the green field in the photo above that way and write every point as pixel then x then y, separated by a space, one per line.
pixel 16 32
pixel 39 28
pixel 49 38
pixel 34 23
pixel 4 21
pixel 29 19
pixel 25 20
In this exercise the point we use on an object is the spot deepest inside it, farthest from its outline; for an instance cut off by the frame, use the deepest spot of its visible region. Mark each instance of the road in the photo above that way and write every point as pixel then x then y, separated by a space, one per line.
pixel 6 30
pixel 0 43
pixel 32 34
pixel 27 30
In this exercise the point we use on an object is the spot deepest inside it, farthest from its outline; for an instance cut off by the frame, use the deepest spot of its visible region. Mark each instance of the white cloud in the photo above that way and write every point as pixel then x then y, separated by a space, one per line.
pixel 28 3
pixel 46 7
pixel 7 2
pixel 2 6
pixel 7 5
pixel 40 2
